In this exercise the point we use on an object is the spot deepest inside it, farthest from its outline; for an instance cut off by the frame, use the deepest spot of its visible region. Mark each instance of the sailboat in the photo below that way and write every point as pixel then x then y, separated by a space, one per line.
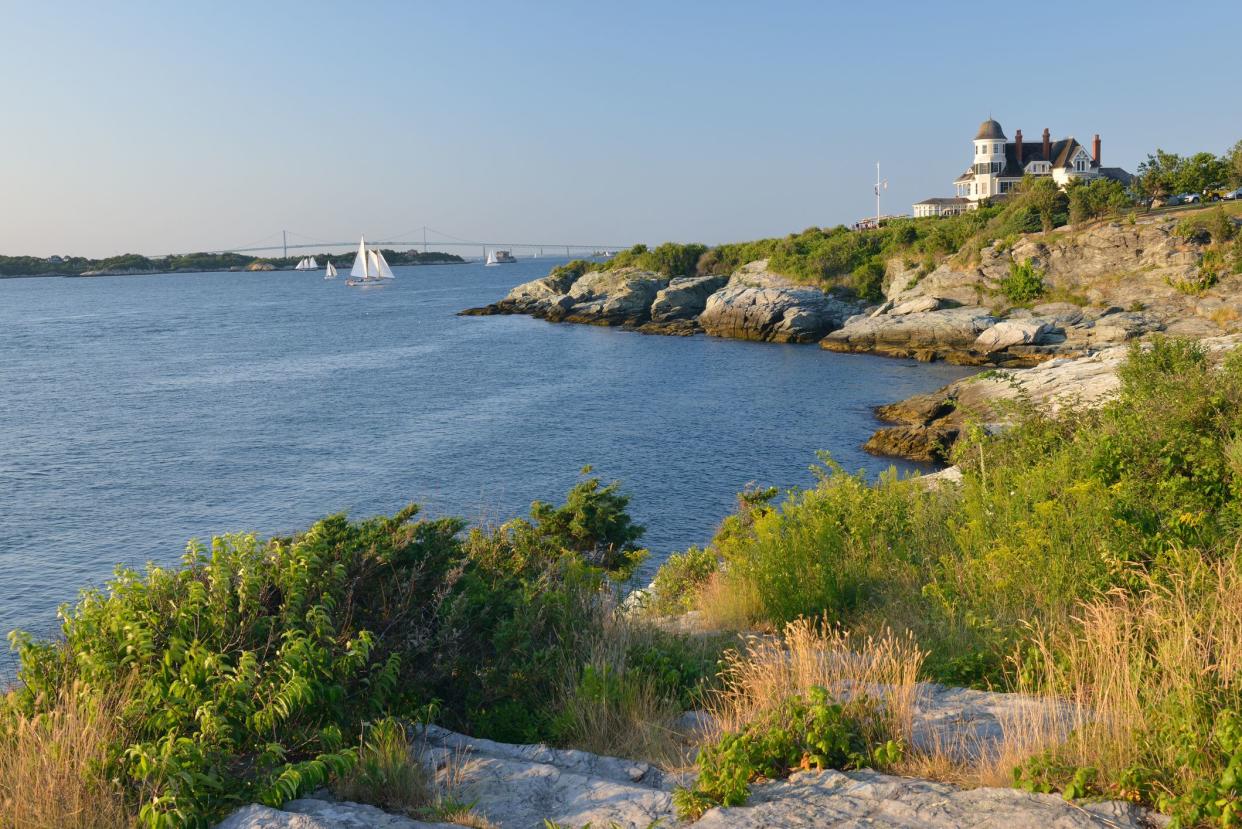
pixel 308 263
pixel 330 271
pixel 370 267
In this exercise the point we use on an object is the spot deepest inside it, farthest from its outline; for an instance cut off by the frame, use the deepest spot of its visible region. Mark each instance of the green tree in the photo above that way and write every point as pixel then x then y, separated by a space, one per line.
pixel 1092 200
pixel 1233 161
pixel 1043 196
pixel 1159 175
pixel 1200 172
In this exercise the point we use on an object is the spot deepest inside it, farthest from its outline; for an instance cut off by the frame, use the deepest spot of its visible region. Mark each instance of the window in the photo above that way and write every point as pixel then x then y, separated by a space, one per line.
pixel 996 148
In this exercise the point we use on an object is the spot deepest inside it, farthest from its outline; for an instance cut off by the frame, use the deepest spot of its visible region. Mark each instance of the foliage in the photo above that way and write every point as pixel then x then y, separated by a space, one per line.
pixel 669 259
pixel 1096 199
pixel 814 732
pixel 1024 283
pixel 1043 196
pixel 387 773
pixel 251 665
pixel 594 523
pixel 1165 174
pixel 679 579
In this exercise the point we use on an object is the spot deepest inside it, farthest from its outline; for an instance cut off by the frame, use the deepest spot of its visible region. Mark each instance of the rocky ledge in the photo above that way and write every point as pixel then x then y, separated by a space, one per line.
pixel 1123 279
pixel 751 304
pixel 522 786
pixel 929 424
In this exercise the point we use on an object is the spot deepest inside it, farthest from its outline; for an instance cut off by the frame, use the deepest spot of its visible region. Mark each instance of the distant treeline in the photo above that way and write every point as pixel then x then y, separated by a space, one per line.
pixel 77 265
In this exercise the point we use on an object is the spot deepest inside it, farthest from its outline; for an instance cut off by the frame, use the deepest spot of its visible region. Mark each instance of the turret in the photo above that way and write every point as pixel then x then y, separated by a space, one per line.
pixel 989 143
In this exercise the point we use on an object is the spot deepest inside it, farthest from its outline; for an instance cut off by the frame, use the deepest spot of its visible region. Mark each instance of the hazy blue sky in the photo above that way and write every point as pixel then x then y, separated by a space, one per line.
pixel 157 127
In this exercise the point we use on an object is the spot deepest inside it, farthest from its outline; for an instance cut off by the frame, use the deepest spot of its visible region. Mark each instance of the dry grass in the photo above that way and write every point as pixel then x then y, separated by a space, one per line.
pixel 729 604
pixel 813 653
pixel 1134 662
pixel 53 767
pixel 609 709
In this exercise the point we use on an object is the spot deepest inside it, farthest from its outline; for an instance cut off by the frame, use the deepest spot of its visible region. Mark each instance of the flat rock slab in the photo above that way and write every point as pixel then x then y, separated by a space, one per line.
pixel 857 799
pixel 311 813
pixel 521 786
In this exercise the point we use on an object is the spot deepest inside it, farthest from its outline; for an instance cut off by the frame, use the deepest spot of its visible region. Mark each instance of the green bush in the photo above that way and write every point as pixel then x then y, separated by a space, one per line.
pixel 811 733
pixel 252 667
pixel 1096 199
pixel 679 579
pixel 1024 283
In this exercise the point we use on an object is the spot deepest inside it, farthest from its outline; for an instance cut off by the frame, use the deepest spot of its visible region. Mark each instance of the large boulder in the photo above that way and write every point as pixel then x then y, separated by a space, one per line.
pixel 923 334
pixel 615 297
pixel 685 297
pixel 534 297
pixel 759 305
pixel 1012 332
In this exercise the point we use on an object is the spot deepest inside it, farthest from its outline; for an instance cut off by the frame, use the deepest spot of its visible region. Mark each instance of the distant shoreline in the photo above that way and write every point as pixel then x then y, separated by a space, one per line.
pixel 93 274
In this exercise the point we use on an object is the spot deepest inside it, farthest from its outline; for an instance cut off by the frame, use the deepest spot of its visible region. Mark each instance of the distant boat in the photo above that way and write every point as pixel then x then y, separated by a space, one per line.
pixel 330 271
pixel 307 264
pixel 370 267
pixel 500 257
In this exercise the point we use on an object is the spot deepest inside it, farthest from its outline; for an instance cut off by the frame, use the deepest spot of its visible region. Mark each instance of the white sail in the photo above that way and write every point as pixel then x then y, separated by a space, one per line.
pixel 381 266
pixel 330 271
pixel 313 265
pixel 360 268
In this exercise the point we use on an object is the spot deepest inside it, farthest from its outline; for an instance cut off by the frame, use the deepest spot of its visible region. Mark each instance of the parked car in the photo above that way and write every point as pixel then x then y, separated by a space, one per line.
pixel 1189 198
pixel 1232 195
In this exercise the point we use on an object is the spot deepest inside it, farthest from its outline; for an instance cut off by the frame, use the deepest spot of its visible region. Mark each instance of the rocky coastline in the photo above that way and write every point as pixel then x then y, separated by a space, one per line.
pixel 1104 285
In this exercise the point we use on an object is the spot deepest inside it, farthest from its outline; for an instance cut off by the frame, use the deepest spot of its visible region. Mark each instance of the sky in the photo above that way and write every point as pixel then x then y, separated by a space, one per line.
pixel 175 127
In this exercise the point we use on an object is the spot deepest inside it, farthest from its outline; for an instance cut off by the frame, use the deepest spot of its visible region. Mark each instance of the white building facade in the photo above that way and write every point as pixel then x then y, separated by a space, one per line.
pixel 998 165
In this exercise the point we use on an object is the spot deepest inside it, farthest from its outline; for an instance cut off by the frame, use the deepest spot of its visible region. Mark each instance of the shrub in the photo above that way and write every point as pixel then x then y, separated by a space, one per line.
pixel 1096 199
pixel 1024 283
pixel 807 732
pixel 593 523
pixel 679 579
pixel 249 668
pixel 867 280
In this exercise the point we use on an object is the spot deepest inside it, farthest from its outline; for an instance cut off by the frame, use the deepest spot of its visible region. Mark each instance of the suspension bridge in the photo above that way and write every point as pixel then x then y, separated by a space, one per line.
pixel 423 237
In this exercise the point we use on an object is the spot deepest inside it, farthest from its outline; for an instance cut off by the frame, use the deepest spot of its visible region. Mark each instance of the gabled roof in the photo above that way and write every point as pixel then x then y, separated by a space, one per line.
pixel 941 201
pixel 1117 174
pixel 1062 152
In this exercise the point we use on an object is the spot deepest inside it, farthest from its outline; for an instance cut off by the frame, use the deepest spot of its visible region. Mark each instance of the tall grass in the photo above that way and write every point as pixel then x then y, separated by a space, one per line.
pixel 56 766
pixel 1146 676
pixel 815 653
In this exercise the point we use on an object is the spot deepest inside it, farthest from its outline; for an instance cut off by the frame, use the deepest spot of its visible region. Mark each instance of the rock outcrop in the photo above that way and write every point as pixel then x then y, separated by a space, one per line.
pixel 925 335
pixel 929 423
pixel 751 304
pixel 619 297
pixel 857 799
pixel 1122 278
pixel 757 304
pixel 522 786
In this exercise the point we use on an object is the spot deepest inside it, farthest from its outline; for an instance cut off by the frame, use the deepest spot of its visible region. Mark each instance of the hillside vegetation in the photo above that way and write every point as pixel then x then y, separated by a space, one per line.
pixel 1091 557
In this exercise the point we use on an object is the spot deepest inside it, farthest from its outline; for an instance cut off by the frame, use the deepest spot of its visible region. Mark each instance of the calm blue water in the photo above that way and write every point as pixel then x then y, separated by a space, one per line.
pixel 136 412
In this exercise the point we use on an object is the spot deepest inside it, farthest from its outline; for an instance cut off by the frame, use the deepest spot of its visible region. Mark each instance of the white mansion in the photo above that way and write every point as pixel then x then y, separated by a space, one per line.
pixel 999 164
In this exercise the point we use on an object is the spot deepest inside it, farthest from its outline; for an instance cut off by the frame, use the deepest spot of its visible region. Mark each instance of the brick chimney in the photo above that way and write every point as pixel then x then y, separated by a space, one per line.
pixel 1017 147
pixel 1095 150
pixel 1047 146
